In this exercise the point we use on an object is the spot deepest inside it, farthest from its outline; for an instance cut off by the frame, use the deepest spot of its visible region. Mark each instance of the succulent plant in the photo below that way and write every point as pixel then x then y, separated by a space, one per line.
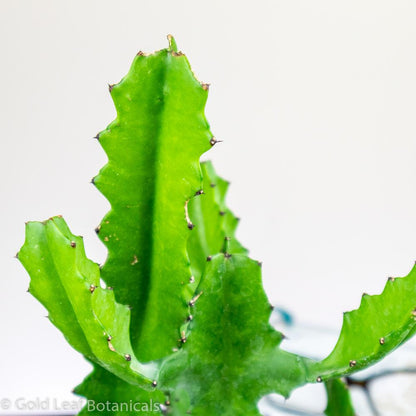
pixel 176 320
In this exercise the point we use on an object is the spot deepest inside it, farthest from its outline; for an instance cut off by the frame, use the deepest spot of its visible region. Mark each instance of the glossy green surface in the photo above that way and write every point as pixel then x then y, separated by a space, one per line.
pixel 339 399
pixel 231 357
pixel 213 221
pixel 68 285
pixel 381 324
pixel 153 170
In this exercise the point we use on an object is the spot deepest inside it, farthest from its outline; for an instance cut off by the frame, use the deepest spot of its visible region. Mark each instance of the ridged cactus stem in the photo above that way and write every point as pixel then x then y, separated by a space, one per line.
pixel 183 321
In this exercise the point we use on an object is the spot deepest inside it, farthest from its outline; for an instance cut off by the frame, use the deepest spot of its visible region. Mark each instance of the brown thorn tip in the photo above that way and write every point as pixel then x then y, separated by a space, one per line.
pixel 200 192
pixel 93 180
pixel 140 53
pixel 127 357
pixel 214 141
pixel 353 363
pixel 110 87
pixel 222 213
pixel 97 230
pixel 205 86
pixel 92 288
pixel 167 403
pixel 209 258
pixel 189 318
pixel 154 383
pixel 73 244
pixel 260 263
pixel 195 298
pixel 227 255
pixel 391 279
pixel 109 338
pixel 97 136
pixel 16 256
pixel 190 226
pixel 319 379
pixel 382 341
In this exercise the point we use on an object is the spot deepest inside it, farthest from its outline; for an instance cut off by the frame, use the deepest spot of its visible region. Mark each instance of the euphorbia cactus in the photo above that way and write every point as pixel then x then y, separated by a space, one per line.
pixel 176 320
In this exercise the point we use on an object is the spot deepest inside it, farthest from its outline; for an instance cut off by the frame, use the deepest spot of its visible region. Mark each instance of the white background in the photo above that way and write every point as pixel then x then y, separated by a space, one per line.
pixel 315 101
